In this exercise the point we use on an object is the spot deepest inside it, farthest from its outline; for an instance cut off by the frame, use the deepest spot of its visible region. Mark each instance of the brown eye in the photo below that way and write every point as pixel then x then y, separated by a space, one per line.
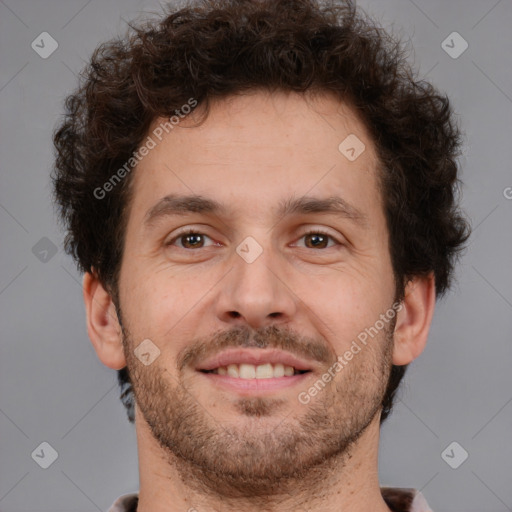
pixel 318 240
pixel 189 240
pixel 192 240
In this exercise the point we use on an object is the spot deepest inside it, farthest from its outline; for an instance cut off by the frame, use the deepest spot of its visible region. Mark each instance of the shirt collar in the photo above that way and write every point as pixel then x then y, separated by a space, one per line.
pixel 397 499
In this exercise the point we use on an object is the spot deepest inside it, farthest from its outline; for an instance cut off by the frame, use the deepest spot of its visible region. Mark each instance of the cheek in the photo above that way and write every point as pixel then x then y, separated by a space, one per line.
pixel 346 305
pixel 145 301
pixel 162 307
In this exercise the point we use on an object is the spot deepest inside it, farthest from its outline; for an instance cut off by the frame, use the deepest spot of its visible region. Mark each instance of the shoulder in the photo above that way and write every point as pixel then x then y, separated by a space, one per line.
pixel 125 503
pixel 404 500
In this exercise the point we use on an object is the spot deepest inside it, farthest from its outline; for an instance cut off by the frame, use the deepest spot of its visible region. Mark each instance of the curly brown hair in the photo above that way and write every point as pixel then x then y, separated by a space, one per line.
pixel 216 48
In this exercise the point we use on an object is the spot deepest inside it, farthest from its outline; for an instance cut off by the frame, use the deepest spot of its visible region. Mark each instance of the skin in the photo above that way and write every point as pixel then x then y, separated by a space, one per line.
pixel 209 448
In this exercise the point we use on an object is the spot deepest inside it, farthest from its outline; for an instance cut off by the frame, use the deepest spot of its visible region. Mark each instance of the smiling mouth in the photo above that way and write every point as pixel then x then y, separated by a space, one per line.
pixel 251 371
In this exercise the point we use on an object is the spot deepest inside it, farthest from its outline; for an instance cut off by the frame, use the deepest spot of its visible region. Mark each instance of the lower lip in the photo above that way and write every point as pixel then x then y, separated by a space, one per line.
pixel 255 385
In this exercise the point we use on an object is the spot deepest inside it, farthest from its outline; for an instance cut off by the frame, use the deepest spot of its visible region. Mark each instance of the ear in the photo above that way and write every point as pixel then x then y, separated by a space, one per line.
pixel 414 319
pixel 102 323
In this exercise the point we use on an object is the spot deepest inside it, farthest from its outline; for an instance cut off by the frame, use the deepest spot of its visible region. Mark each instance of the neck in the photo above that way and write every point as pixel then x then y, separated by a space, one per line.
pixel 348 482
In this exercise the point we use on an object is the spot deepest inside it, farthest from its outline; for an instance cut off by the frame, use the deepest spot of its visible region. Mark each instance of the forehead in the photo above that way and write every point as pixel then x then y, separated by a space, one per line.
pixel 261 148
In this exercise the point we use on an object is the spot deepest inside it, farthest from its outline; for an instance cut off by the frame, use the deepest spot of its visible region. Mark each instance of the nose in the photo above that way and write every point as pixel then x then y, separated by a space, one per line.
pixel 256 294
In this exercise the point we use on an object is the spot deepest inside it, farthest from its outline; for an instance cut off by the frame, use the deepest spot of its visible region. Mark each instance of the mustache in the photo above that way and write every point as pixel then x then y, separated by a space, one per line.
pixel 270 336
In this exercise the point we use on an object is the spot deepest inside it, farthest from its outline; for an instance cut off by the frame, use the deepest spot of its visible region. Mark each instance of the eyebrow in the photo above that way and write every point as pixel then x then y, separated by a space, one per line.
pixel 176 205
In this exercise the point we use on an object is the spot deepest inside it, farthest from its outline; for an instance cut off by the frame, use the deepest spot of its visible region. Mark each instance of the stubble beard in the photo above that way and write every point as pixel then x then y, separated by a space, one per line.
pixel 271 452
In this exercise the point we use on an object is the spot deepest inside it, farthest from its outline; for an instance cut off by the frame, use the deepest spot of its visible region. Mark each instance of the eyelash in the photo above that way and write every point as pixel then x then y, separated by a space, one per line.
pixel 191 231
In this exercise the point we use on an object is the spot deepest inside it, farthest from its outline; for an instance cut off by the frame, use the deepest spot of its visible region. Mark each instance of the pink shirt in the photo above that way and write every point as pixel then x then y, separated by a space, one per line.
pixel 397 499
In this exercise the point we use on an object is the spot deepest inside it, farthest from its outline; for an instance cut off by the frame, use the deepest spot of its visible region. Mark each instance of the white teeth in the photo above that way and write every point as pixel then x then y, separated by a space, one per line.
pixel 233 370
pixel 251 371
pixel 264 371
pixel 278 370
pixel 247 371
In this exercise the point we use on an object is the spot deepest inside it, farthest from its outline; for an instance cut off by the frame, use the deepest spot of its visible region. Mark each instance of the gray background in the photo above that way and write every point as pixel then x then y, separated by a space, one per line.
pixel 53 388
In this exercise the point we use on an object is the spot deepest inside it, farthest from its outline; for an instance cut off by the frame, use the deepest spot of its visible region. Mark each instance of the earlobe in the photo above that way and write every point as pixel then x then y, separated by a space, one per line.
pixel 414 319
pixel 102 323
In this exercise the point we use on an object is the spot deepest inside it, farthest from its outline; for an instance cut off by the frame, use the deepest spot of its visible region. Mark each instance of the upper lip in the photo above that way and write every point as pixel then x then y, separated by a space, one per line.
pixel 255 357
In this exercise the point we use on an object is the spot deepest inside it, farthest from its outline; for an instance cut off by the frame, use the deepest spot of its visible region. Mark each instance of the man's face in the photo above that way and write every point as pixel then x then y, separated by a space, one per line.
pixel 283 296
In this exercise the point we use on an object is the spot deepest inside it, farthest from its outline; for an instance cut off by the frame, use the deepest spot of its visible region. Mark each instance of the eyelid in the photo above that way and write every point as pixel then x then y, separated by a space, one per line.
pixel 199 231
pixel 322 231
pixel 185 231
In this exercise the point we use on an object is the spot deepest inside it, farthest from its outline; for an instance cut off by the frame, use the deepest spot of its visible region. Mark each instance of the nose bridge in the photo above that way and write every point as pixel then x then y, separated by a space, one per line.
pixel 255 293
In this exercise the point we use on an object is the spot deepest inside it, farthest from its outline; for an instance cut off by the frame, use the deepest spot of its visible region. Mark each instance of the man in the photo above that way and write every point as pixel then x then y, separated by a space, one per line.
pixel 263 202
